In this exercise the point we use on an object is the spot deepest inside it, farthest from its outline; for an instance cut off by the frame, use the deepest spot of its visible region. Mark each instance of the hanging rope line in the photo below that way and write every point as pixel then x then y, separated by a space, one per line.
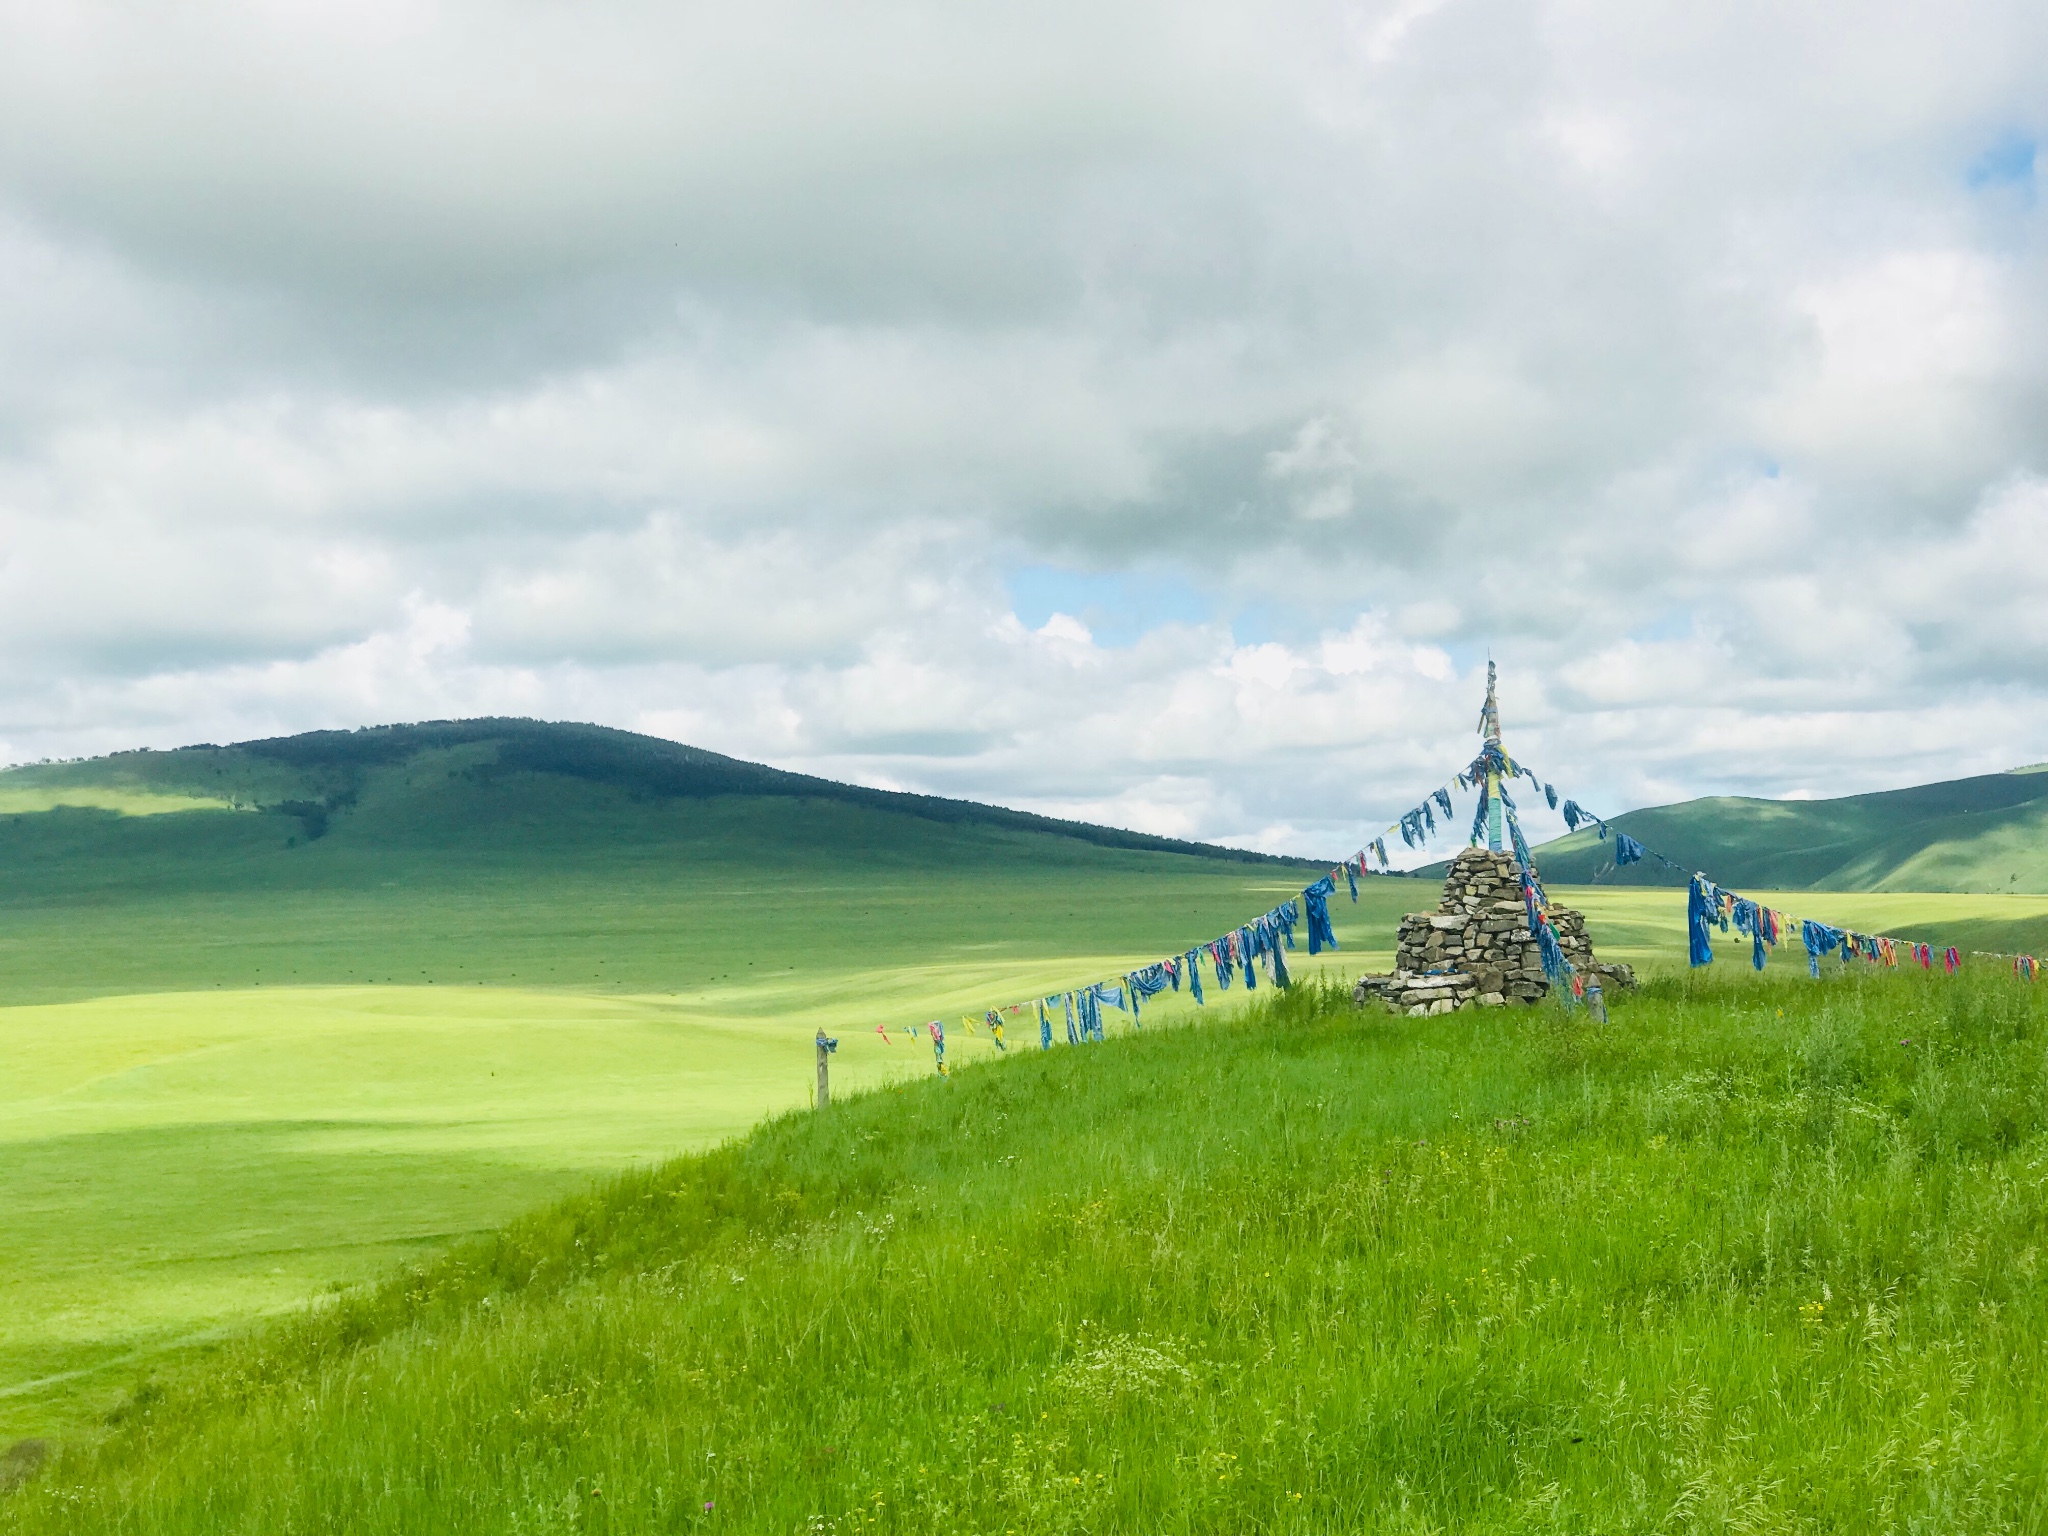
pixel 1710 905
pixel 1261 945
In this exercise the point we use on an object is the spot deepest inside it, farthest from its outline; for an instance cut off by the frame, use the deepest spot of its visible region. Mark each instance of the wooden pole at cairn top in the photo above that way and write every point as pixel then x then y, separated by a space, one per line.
pixel 826 1046
pixel 1489 725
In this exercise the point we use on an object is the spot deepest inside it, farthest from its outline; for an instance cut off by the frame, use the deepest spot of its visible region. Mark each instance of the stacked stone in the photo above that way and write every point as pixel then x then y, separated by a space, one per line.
pixel 1477 947
pixel 1570 927
pixel 1427 992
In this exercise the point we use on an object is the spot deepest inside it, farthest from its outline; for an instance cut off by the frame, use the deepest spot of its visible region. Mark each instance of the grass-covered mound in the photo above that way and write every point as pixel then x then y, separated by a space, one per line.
pixel 1760 1254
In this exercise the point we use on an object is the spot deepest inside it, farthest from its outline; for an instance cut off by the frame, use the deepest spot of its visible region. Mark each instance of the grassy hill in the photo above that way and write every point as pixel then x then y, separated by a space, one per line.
pixel 441 854
pixel 240 1063
pixel 317 776
pixel 1976 835
pixel 1763 1255
pixel 278 1018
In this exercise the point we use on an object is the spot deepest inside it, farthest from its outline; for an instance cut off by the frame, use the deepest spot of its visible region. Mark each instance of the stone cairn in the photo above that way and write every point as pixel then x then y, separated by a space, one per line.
pixel 1477 948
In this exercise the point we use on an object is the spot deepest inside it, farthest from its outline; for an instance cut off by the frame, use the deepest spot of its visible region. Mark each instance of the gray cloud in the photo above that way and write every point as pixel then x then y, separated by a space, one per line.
pixel 708 372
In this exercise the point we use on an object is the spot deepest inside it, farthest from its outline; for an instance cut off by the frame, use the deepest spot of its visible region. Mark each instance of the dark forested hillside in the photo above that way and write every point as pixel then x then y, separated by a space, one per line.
pixel 321 775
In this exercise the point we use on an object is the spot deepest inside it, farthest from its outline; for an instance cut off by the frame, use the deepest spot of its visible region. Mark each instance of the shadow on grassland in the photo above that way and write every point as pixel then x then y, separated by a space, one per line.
pixel 119 1245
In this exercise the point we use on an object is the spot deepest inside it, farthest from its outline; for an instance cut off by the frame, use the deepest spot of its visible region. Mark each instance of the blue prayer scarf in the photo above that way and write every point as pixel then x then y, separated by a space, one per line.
pixel 1317 899
pixel 1555 966
pixel 1219 956
pixel 1749 919
pixel 1521 843
pixel 1149 982
pixel 1698 918
pixel 1281 920
pixel 1820 939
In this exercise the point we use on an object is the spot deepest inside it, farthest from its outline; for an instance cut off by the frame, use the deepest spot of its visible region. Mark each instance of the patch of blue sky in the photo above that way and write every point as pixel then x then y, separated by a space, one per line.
pixel 2009 162
pixel 1677 624
pixel 1468 656
pixel 1122 607
pixel 1119 607
pixel 1254 624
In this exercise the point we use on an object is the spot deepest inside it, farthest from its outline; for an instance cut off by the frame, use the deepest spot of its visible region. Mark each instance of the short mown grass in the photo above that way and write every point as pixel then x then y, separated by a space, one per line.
pixel 1759 1254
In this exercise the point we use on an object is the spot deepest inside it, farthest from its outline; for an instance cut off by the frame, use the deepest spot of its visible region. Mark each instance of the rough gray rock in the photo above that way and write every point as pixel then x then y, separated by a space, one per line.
pixel 1476 948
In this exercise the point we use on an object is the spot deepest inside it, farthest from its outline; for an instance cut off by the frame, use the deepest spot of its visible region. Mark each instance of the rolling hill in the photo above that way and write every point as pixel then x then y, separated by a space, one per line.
pixel 1984 834
pixel 323 778
pixel 275 1017
pixel 279 1017
pixel 449 851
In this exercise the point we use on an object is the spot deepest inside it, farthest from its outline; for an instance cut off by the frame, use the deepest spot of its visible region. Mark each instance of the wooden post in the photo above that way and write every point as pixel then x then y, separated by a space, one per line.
pixel 1489 724
pixel 1596 1000
pixel 826 1046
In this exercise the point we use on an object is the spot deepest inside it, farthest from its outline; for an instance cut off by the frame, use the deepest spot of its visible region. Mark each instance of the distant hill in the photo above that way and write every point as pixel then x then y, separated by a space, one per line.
pixel 1984 834
pixel 521 853
pixel 325 779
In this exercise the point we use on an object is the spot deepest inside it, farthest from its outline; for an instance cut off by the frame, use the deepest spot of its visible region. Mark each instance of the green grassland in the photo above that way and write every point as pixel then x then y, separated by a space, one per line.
pixel 372 995
pixel 1761 1254
pixel 244 1064
pixel 1986 834
pixel 29 799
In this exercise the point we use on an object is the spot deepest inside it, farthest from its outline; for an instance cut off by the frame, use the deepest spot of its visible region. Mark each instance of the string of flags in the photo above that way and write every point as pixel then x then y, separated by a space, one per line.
pixel 1261 946
pixel 1243 954
pixel 1490 773
pixel 1709 906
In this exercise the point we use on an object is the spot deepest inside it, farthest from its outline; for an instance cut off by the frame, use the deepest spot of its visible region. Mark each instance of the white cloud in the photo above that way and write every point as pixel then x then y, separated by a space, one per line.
pixel 709 372
pixel 1915 363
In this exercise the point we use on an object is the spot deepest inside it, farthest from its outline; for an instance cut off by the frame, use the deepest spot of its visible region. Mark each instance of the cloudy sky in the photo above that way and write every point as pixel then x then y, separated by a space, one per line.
pixel 1150 412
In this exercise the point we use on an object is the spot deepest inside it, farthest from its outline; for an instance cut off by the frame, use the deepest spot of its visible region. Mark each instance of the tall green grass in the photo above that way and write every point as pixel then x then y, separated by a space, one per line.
pixel 1759 1254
